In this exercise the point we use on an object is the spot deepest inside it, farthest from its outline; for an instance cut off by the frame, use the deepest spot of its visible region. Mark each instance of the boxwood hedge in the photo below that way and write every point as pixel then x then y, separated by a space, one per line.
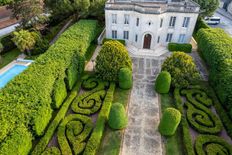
pixel 27 99
pixel 215 46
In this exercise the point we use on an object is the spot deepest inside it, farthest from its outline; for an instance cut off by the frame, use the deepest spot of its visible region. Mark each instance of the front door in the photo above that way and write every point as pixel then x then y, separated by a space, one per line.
pixel 147 41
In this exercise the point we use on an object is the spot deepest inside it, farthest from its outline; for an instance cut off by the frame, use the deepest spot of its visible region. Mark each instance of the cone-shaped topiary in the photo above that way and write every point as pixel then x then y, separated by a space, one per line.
pixel 117 118
pixel 163 82
pixel 112 57
pixel 125 78
pixel 169 122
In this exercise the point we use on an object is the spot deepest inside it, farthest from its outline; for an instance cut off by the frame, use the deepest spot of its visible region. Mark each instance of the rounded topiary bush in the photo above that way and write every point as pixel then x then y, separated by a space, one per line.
pixel 112 57
pixel 169 122
pixel 117 118
pixel 182 69
pixel 163 82
pixel 125 78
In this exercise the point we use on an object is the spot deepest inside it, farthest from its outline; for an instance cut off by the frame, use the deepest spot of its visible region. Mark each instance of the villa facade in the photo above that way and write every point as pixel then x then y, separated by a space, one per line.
pixel 148 24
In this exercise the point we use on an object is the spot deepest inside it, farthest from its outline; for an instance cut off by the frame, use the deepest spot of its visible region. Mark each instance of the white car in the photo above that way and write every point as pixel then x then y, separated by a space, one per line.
pixel 212 20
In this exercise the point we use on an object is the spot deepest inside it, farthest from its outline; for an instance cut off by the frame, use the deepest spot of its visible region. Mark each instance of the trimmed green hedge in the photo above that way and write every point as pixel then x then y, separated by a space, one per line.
pixel 59 93
pixel 125 78
pixel 215 46
pixel 112 57
pixel 212 145
pixel 26 100
pixel 95 139
pixel 169 122
pixel 118 117
pixel 200 24
pixel 173 47
pixel 163 82
pixel 120 40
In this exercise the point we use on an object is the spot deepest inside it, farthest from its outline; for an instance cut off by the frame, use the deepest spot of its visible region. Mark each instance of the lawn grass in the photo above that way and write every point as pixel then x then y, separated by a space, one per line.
pixel 9 57
pixel 111 141
pixel 173 144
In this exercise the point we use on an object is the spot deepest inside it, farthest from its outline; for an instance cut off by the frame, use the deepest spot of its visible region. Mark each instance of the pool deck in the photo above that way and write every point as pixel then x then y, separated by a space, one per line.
pixel 15 62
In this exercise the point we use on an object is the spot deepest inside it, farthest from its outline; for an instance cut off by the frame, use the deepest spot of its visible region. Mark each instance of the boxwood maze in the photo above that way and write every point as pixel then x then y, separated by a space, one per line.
pixel 78 133
pixel 28 101
pixel 196 107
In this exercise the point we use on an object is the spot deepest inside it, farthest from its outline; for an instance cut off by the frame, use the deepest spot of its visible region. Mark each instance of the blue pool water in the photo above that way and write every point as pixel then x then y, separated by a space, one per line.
pixel 10 74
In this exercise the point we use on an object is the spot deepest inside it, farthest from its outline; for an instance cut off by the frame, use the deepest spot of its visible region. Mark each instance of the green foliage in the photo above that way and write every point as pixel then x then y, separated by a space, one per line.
pixel 201 24
pixel 112 57
pixel 187 48
pixel 51 151
pixel 27 98
pixel 41 46
pixel 210 144
pixel 41 146
pixel 25 40
pixel 74 130
pixel 182 69
pixel 5 2
pixel 208 7
pixel 118 117
pixel 18 142
pixel 59 92
pixel 125 78
pixel 218 55
pixel 163 82
pixel 119 40
pixel 170 120
pixel 7 43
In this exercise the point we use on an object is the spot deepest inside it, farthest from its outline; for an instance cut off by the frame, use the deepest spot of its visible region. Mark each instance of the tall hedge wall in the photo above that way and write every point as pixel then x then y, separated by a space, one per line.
pixel 27 100
pixel 216 48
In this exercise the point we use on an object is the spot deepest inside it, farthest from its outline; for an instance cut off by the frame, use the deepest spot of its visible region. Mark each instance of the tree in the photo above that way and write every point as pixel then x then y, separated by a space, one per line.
pixel 208 7
pixel 25 40
pixel 182 69
pixel 29 12
pixel 112 57
pixel 65 8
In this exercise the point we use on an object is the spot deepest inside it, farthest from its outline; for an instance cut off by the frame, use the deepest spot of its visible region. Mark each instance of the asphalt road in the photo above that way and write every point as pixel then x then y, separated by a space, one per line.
pixel 226 23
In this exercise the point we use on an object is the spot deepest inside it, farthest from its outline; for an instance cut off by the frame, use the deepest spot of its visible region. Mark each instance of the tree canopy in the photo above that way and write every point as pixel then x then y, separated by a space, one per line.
pixel 208 7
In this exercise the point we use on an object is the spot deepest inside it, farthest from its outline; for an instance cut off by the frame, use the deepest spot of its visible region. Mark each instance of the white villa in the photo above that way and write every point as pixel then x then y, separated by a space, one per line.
pixel 146 25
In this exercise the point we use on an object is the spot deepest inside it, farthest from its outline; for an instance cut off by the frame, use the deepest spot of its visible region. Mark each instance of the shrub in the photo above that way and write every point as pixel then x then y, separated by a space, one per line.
pixel 125 78
pixel 51 151
pixel 119 40
pixel 210 144
pixel 218 55
pixel 7 43
pixel 59 93
pixel 169 122
pixel 187 48
pixel 163 82
pixel 200 24
pixel 27 98
pixel 118 117
pixel 41 46
pixel 182 69
pixel 112 57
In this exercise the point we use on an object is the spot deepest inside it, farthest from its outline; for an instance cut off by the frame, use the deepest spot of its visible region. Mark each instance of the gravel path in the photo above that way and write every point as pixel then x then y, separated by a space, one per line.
pixel 141 137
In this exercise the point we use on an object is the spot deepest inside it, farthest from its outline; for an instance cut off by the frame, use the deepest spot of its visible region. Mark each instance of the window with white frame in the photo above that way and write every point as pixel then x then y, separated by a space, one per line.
pixel 126 19
pixel 186 22
pixel 114 34
pixel 126 35
pixel 172 21
pixel 137 22
pixel 114 18
pixel 169 37
pixel 136 38
pixel 181 38
pixel 161 22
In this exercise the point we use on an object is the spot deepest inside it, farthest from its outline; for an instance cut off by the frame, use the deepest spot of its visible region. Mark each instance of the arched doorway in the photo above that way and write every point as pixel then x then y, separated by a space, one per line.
pixel 147 41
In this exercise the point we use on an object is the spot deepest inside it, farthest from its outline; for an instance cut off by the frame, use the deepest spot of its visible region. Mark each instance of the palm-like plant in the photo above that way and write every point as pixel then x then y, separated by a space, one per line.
pixel 25 40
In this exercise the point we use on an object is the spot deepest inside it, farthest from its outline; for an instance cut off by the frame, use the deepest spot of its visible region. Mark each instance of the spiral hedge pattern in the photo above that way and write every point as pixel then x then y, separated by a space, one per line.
pixel 200 116
pixel 212 145
pixel 73 133
pixel 77 134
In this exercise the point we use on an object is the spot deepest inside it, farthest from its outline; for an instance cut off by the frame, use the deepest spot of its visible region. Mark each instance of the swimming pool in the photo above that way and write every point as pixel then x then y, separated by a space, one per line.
pixel 10 74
